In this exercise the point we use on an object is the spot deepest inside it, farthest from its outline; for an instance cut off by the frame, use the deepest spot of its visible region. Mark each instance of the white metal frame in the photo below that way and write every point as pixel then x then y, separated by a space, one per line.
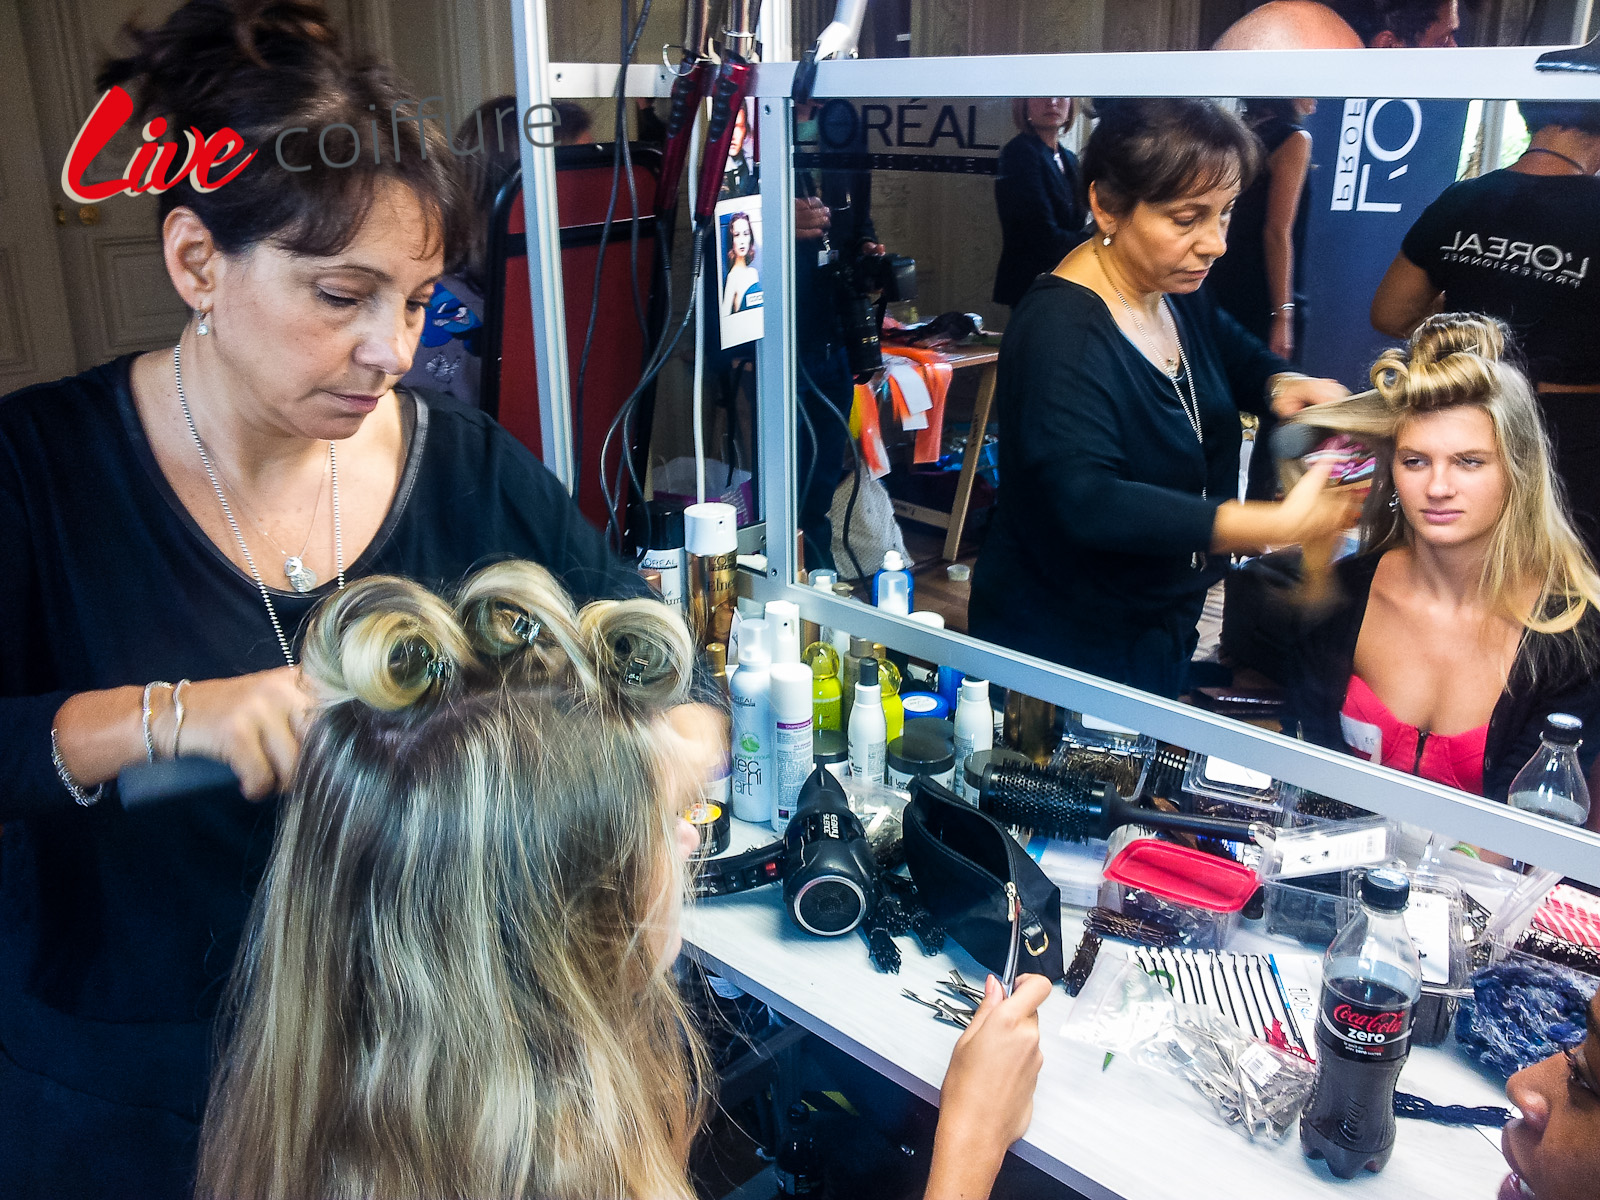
pixel 1504 73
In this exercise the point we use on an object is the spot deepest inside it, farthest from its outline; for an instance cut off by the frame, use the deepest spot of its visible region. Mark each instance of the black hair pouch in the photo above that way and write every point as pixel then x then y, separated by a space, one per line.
pixel 968 870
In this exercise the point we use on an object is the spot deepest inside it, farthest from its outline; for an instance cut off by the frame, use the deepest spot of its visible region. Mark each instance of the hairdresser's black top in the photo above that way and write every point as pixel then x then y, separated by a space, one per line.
pixel 1101 474
pixel 117 929
pixel 1526 249
pixel 1038 193
pixel 1548 676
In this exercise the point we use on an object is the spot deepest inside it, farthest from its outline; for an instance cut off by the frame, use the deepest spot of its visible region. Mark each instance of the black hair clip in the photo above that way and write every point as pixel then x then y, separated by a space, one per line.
pixel 526 628
pixel 637 666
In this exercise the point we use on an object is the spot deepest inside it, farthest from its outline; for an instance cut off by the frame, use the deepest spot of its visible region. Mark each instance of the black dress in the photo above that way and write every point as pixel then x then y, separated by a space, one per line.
pixel 1038 193
pixel 1089 558
pixel 118 930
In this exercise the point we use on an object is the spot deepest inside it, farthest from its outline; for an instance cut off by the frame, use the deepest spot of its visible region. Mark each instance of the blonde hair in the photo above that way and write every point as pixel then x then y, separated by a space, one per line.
pixel 1459 360
pixel 449 988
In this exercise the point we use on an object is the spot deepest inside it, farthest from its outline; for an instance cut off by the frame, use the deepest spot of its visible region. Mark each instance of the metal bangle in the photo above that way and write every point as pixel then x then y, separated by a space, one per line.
pixel 1287 307
pixel 144 717
pixel 74 788
pixel 178 713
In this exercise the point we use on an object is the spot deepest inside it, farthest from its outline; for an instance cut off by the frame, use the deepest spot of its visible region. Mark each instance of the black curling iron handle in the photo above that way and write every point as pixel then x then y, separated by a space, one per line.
pixel 144 784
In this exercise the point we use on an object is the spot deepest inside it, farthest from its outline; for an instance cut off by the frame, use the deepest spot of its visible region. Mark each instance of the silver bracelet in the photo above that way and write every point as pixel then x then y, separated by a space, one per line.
pixel 144 717
pixel 178 712
pixel 74 789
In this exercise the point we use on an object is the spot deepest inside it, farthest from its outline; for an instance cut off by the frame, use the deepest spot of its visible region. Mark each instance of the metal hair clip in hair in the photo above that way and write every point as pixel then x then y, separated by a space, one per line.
pixel 637 666
pixel 526 628
pixel 440 668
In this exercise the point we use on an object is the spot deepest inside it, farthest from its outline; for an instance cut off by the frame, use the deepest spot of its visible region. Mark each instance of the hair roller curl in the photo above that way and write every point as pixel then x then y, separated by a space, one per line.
pixel 642 648
pixel 1452 358
pixel 518 615
pixel 384 642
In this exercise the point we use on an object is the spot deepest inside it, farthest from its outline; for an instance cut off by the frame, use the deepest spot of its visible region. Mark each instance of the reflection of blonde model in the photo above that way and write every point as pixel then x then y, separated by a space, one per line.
pixel 457 982
pixel 742 276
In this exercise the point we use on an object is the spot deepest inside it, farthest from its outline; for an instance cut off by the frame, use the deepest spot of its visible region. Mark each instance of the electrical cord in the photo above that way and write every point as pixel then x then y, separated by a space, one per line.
pixel 855 453
pixel 619 152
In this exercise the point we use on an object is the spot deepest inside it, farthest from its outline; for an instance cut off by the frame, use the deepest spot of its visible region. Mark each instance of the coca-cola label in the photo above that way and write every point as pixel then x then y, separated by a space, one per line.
pixel 1374 1032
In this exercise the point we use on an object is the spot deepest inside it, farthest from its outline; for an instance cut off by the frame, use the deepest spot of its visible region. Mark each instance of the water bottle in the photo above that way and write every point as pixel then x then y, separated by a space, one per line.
pixel 891 587
pixel 1552 783
pixel 1371 979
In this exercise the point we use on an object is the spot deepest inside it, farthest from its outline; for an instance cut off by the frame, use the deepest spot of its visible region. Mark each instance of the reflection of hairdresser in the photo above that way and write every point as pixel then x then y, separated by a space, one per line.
pixel 1038 190
pixel 179 514
pixel 1523 244
pixel 1119 397
pixel 1471 613
pixel 743 282
pixel 417 910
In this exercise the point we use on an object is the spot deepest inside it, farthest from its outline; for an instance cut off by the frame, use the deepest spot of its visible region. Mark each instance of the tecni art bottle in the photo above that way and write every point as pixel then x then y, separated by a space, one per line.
pixel 869 733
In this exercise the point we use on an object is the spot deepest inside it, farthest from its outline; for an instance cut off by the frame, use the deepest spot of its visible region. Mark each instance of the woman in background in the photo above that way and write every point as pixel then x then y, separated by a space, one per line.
pixel 1038 191
pixel 456 984
pixel 1473 610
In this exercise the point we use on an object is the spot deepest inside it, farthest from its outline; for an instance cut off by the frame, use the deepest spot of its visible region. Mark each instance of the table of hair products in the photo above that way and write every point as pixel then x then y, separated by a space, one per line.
pixel 1106 1128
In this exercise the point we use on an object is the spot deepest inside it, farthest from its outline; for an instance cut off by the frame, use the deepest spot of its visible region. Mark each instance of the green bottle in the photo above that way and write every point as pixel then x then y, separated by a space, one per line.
pixel 827 709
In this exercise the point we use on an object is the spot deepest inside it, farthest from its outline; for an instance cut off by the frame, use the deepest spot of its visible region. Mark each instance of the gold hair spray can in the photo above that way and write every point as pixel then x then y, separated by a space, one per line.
pixel 711 539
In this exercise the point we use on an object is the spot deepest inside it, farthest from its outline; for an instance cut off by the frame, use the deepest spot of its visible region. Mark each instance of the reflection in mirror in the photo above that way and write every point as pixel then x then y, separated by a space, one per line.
pixel 1106 421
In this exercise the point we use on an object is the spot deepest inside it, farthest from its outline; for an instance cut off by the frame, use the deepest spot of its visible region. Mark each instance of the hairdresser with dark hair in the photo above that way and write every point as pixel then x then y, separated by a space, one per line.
pixel 175 516
pixel 1119 395
pixel 1523 244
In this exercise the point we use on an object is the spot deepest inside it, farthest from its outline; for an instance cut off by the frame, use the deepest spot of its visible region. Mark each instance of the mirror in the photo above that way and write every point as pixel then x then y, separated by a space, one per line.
pixel 1075 529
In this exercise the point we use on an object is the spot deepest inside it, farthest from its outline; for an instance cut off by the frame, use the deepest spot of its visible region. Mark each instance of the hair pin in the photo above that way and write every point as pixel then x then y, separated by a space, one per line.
pixel 439 668
pixel 637 666
pixel 526 628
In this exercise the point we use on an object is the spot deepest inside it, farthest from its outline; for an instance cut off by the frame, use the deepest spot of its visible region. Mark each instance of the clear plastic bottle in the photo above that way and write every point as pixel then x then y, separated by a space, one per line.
pixel 1371 978
pixel 1552 783
pixel 891 587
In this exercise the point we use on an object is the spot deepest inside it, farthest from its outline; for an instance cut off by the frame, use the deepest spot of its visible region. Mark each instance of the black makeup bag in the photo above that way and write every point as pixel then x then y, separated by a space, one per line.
pixel 981 885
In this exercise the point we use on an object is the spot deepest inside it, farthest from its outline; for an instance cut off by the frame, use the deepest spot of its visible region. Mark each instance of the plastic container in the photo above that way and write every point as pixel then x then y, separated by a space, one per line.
pixel 665 554
pixel 920 752
pixel 783 629
pixel 1551 784
pixel 752 726
pixel 828 750
pixel 1198 896
pixel 923 704
pixel 974 728
pixel 791 741
pixel 1105 751
pixel 1216 787
pixel 891 586
pixel 1074 867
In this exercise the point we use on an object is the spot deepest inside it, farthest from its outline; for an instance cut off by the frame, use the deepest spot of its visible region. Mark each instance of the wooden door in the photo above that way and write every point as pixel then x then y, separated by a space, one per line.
pixel 36 342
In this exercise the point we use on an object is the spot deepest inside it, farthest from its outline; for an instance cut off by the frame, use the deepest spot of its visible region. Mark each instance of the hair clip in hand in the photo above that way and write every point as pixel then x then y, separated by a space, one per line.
pixel 526 628
pixel 637 666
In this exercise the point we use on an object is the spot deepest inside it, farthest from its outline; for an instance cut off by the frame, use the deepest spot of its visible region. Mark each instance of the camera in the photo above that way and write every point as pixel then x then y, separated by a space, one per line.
pixel 829 876
pixel 864 287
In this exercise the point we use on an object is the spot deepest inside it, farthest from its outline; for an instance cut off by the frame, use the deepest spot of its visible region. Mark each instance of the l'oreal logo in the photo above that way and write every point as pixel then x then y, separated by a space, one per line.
pixel 152 166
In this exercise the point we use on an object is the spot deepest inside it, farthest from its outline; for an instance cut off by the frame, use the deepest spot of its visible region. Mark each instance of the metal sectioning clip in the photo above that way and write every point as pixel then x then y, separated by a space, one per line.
pixel 635 674
pixel 526 628
pixel 943 1010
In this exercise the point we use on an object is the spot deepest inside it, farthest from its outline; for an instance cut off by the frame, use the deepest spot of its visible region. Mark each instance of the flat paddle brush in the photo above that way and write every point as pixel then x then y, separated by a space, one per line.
pixel 1076 808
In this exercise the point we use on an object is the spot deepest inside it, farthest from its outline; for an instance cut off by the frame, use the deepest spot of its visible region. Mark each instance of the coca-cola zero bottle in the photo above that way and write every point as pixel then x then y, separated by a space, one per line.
pixel 1371 979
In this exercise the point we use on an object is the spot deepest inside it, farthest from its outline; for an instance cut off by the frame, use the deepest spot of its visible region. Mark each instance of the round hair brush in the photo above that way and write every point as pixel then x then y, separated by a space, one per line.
pixel 1076 808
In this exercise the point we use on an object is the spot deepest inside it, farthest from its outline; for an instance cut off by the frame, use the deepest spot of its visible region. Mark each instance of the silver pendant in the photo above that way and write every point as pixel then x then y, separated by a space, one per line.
pixel 301 577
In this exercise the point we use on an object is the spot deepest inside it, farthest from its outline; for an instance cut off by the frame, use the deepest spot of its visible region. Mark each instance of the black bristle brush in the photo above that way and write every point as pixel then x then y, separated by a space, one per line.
pixel 1076 808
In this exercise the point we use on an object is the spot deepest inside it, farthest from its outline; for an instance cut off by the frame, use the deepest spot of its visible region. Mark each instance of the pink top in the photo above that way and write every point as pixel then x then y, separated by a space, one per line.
pixel 1373 732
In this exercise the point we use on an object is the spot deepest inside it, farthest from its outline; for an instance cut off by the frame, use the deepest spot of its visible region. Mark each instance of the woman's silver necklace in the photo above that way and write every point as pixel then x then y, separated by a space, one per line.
pixel 301 577
pixel 238 536
pixel 1191 404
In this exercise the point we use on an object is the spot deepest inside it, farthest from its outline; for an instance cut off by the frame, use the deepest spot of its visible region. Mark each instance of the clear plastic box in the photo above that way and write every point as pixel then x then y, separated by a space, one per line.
pixel 1114 753
pixel 1216 787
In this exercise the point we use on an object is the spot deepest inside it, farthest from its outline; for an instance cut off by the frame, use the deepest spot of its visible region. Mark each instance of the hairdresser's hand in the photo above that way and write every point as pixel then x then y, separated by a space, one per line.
pixel 1292 392
pixel 1310 512
pixel 812 218
pixel 701 743
pixel 986 1102
pixel 253 723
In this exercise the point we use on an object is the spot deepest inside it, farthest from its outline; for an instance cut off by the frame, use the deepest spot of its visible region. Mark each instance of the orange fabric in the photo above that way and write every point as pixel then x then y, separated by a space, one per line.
pixel 864 424
pixel 936 373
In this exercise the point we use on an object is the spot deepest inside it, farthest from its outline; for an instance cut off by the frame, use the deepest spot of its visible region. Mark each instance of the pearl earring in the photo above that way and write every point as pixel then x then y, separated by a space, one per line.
pixel 205 324
pixel 1106 241
pixel 1394 502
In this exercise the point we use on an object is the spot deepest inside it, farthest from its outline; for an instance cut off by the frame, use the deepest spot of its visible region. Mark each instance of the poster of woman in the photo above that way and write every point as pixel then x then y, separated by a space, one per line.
pixel 739 270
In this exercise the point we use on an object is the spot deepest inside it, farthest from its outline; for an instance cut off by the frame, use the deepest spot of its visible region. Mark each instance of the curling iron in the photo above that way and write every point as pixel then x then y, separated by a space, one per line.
pixel 728 90
pixel 694 75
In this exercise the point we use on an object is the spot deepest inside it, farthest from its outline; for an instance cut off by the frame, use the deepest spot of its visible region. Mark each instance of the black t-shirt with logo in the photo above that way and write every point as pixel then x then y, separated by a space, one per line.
pixel 1526 249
